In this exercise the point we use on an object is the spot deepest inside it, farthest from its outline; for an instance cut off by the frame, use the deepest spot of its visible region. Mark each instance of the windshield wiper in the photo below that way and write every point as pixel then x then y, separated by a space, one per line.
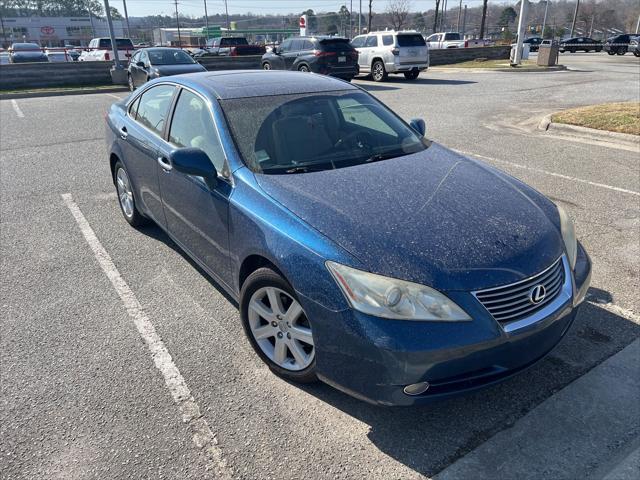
pixel 305 169
pixel 383 156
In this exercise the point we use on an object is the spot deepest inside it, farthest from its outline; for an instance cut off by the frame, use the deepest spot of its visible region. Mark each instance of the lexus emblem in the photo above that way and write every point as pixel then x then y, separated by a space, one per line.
pixel 537 294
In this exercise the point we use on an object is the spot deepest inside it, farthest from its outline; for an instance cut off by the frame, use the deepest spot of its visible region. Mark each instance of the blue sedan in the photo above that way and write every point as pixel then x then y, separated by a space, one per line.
pixel 361 253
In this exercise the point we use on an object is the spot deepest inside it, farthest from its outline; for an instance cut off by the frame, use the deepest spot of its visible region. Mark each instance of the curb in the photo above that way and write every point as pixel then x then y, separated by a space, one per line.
pixel 60 93
pixel 625 139
pixel 453 68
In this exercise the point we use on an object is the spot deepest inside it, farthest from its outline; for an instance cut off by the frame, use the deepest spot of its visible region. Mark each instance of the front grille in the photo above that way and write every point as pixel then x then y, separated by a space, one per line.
pixel 513 302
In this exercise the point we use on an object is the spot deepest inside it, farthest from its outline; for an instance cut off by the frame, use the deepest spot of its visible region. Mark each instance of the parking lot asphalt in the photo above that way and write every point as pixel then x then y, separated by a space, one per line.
pixel 80 394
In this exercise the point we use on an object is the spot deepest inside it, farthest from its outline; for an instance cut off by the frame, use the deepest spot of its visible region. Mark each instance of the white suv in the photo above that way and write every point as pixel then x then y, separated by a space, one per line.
pixel 381 53
pixel 99 50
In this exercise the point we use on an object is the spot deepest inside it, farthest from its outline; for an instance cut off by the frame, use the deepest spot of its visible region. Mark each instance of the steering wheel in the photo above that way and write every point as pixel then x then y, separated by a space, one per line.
pixel 360 139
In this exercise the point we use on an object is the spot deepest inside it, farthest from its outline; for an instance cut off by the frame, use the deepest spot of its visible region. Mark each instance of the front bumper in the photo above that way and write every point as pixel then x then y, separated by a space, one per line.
pixel 374 359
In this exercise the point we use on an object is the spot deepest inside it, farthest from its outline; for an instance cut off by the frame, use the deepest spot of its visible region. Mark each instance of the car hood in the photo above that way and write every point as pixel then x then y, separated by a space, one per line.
pixel 434 217
pixel 167 70
pixel 28 54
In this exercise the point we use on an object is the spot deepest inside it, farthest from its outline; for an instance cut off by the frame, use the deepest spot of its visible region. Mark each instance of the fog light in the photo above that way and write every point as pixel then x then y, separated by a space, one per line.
pixel 416 388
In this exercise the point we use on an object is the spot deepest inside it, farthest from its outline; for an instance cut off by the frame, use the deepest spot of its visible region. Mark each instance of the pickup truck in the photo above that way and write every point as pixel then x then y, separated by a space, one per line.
pixel 451 40
pixel 232 46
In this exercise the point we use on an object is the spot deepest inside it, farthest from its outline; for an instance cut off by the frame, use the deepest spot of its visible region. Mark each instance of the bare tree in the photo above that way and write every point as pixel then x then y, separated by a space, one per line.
pixel 484 17
pixel 370 15
pixel 435 20
pixel 398 11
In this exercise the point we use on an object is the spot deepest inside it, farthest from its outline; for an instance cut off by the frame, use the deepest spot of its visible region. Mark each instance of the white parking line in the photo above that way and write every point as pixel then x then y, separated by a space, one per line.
pixel 553 174
pixel 16 108
pixel 114 96
pixel 202 435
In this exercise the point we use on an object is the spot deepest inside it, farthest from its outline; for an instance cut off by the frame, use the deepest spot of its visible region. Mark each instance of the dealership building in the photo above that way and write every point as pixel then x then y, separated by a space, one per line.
pixel 56 31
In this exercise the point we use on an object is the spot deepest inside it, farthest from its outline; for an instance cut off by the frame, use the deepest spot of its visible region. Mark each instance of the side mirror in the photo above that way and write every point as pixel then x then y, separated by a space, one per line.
pixel 140 64
pixel 276 50
pixel 419 126
pixel 193 161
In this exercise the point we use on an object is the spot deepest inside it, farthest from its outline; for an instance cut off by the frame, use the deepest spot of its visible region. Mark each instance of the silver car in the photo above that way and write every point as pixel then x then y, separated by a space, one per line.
pixel 382 53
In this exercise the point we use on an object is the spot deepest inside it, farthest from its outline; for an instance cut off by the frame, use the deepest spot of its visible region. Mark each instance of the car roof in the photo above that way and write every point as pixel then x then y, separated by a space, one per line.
pixel 228 84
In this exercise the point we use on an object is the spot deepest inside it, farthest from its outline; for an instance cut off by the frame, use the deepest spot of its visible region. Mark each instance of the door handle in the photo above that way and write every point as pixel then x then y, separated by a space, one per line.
pixel 164 163
pixel 123 133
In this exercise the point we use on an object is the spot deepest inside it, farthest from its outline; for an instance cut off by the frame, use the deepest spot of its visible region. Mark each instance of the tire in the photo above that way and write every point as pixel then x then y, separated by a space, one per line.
pixel 412 75
pixel 132 87
pixel 126 199
pixel 378 72
pixel 611 52
pixel 303 68
pixel 621 51
pixel 266 66
pixel 274 329
pixel 636 53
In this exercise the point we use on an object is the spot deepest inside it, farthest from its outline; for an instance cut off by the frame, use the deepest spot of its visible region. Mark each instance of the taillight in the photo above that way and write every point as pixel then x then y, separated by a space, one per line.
pixel 395 51
pixel 233 52
pixel 354 55
pixel 106 56
pixel 320 53
pixel 466 43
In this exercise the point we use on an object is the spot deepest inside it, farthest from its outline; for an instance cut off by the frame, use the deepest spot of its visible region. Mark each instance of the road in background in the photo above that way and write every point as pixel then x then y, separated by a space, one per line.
pixel 81 396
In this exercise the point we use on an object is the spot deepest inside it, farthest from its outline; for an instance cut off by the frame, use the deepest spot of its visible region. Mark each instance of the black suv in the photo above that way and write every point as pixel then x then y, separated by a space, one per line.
pixel 326 55
pixel 534 43
pixel 617 45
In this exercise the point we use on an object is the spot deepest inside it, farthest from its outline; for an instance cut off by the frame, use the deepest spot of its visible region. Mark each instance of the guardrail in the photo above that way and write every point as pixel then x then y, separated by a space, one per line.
pixel 65 74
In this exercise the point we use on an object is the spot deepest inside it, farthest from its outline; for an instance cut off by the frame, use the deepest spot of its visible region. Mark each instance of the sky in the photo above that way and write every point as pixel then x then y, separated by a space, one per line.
pixel 138 8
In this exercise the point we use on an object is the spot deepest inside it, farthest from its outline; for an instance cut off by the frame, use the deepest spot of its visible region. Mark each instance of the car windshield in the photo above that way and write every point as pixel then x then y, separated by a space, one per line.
pixel 308 132
pixel 25 46
pixel 169 57
pixel 415 40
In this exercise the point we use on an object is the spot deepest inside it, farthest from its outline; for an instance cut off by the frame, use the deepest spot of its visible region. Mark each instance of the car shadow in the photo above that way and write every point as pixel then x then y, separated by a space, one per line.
pixel 155 232
pixel 370 85
pixel 428 438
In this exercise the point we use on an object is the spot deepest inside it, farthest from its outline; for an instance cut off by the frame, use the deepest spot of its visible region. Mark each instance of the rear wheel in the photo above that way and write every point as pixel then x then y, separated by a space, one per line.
pixel 412 75
pixel 277 326
pixel 266 66
pixel 125 197
pixel 303 68
pixel 378 72
pixel 611 52
pixel 621 51
pixel 636 53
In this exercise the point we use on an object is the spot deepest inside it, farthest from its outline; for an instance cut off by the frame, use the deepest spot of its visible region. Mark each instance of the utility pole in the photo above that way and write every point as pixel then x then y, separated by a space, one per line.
pixel 118 74
pixel 350 20
pixel 464 20
pixel 575 17
pixel 443 27
pixel 206 22
pixel 126 17
pixel 369 27
pixel 638 25
pixel 178 24
pixel 521 23
pixel 544 22
pixel 360 19
pixel 459 14
pixel 226 9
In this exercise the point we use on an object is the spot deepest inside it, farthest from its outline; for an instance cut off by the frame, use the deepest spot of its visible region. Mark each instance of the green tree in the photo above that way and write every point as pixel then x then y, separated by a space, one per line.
pixel 507 16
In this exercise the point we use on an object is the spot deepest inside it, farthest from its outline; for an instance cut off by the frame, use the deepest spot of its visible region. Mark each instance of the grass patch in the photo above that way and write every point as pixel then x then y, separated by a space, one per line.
pixel 613 117
pixel 70 88
pixel 484 63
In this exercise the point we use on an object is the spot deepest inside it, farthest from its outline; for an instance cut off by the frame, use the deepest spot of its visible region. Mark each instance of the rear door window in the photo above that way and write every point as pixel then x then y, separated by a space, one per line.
pixel 450 36
pixel 154 107
pixel 307 45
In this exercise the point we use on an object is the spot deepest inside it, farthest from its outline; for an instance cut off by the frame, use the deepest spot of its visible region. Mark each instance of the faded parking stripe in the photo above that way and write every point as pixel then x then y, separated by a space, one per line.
pixel 16 108
pixel 202 435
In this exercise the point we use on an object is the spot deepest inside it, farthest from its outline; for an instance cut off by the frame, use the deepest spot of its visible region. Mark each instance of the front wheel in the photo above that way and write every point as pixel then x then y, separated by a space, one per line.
pixel 412 75
pixel 277 326
pixel 266 66
pixel 125 197
pixel 303 68
pixel 621 51
pixel 378 72
pixel 636 53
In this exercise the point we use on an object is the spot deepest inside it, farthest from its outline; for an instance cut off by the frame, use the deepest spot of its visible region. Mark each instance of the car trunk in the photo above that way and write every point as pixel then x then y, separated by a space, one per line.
pixel 413 49
pixel 338 54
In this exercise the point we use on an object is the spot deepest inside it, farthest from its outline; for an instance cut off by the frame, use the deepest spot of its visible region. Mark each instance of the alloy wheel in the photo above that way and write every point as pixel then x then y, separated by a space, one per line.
pixel 378 71
pixel 304 68
pixel 281 328
pixel 266 66
pixel 125 194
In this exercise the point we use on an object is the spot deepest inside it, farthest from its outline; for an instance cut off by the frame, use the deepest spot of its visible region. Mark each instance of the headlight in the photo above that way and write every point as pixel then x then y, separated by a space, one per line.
pixel 392 298
pixel 569 236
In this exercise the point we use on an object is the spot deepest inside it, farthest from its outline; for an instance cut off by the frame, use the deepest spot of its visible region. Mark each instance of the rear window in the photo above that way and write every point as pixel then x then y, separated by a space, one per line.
pixel 334 45
pixel 452 36
pixel 25 46
pixel 233 41
pixel 415 40
pixel 121 43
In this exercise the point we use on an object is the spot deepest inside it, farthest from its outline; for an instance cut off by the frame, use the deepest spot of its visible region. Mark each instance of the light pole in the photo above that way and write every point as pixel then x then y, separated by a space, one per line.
pixel 544 21
pixel 518 56
pixel 360 20
pixel 126 18
pixel 118 73
pixel 459 14
pixel 226 9
pixel 575 17
pixel 178 25
pixel 206 22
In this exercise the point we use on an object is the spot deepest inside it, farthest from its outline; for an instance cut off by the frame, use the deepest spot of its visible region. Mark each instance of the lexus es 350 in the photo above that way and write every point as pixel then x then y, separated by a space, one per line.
pixel 361 253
